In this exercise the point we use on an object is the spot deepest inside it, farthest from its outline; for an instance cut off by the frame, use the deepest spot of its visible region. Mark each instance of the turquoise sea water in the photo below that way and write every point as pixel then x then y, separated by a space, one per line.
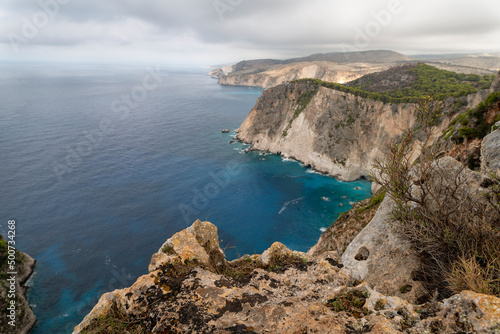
pixel 93 223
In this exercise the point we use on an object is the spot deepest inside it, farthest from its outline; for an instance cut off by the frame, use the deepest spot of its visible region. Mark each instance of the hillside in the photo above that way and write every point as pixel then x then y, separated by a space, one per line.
pixel 340 67
pixel 259 65
pixel 333 67
pixel 419 80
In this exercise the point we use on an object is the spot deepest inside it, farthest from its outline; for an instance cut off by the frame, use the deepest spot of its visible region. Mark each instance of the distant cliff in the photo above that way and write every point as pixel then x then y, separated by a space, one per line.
pixel 286 73
pixel 332 67
pixel 337 67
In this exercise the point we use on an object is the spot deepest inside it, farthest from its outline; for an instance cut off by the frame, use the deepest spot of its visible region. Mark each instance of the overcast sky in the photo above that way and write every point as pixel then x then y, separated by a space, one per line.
pixel 205 32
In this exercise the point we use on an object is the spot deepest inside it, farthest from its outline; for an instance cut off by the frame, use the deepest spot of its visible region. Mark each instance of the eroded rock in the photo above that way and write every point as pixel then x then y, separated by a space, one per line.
pixel 307 294
pixel 490 153
pixel 199 241
pixel 383 258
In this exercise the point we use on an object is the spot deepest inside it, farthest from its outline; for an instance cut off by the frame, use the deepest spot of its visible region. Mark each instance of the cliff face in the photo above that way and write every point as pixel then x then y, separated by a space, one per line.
pixel 334 132
pixel 24 319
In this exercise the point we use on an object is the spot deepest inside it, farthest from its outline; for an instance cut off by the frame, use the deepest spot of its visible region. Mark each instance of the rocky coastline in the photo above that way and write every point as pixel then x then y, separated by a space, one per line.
pixel 362 276
pixel 21 319
pixel 335 133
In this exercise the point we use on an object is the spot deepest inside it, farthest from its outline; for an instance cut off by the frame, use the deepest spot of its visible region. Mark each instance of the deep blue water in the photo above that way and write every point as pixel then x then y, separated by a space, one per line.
pixel 93 221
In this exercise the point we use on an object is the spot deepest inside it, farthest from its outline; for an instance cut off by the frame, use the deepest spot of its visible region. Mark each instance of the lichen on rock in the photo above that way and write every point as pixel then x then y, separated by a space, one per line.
pixel 282 292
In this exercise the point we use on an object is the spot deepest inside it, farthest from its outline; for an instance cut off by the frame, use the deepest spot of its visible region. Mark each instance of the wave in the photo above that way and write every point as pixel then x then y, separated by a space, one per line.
pixel 322 229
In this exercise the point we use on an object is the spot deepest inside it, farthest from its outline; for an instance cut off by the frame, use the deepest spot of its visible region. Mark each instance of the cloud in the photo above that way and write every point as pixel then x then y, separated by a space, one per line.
pixel 217 31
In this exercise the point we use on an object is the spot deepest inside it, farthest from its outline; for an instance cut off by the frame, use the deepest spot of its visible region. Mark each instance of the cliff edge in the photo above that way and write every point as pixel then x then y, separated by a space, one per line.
pixel 335 132
pixel 193 289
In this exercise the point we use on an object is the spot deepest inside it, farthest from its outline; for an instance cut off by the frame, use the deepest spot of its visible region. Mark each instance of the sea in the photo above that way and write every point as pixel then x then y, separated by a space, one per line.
pixel 101 164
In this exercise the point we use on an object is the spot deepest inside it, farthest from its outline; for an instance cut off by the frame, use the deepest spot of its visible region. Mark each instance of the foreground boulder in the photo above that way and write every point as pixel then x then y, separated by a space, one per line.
pixel 191 289
pixel 490 152
pixel 381 257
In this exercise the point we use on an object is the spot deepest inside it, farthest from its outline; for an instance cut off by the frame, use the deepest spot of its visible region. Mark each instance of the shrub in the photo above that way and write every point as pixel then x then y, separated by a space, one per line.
pixel 115 322
pixel 455 231
pixel 352 302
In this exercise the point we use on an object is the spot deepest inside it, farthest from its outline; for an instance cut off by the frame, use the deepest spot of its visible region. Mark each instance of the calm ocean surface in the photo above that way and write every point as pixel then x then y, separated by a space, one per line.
pixel 96 184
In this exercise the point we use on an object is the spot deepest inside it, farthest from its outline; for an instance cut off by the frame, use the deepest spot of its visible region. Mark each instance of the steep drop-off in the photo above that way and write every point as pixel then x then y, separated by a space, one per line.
pixel 334 132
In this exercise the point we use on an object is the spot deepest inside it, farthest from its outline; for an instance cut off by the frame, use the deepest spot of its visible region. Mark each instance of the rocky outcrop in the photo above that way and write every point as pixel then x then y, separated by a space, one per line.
pixel 348 225
pixel 334 132
pixel 219 72
pixel 280 291
pixel 490 152
pixel 383 258
pixel 24 319
pixel 198 242
pixel 490 148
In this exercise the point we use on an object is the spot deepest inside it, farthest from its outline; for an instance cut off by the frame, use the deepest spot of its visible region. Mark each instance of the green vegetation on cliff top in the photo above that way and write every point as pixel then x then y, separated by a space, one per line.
pixel 409 84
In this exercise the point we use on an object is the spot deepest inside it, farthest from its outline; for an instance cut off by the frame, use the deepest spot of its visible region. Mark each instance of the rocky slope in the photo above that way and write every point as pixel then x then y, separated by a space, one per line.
pixel 24 318
pixel 191 288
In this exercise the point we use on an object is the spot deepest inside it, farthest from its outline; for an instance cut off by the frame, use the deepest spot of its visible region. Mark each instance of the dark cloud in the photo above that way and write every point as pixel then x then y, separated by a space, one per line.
pixel 228 30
